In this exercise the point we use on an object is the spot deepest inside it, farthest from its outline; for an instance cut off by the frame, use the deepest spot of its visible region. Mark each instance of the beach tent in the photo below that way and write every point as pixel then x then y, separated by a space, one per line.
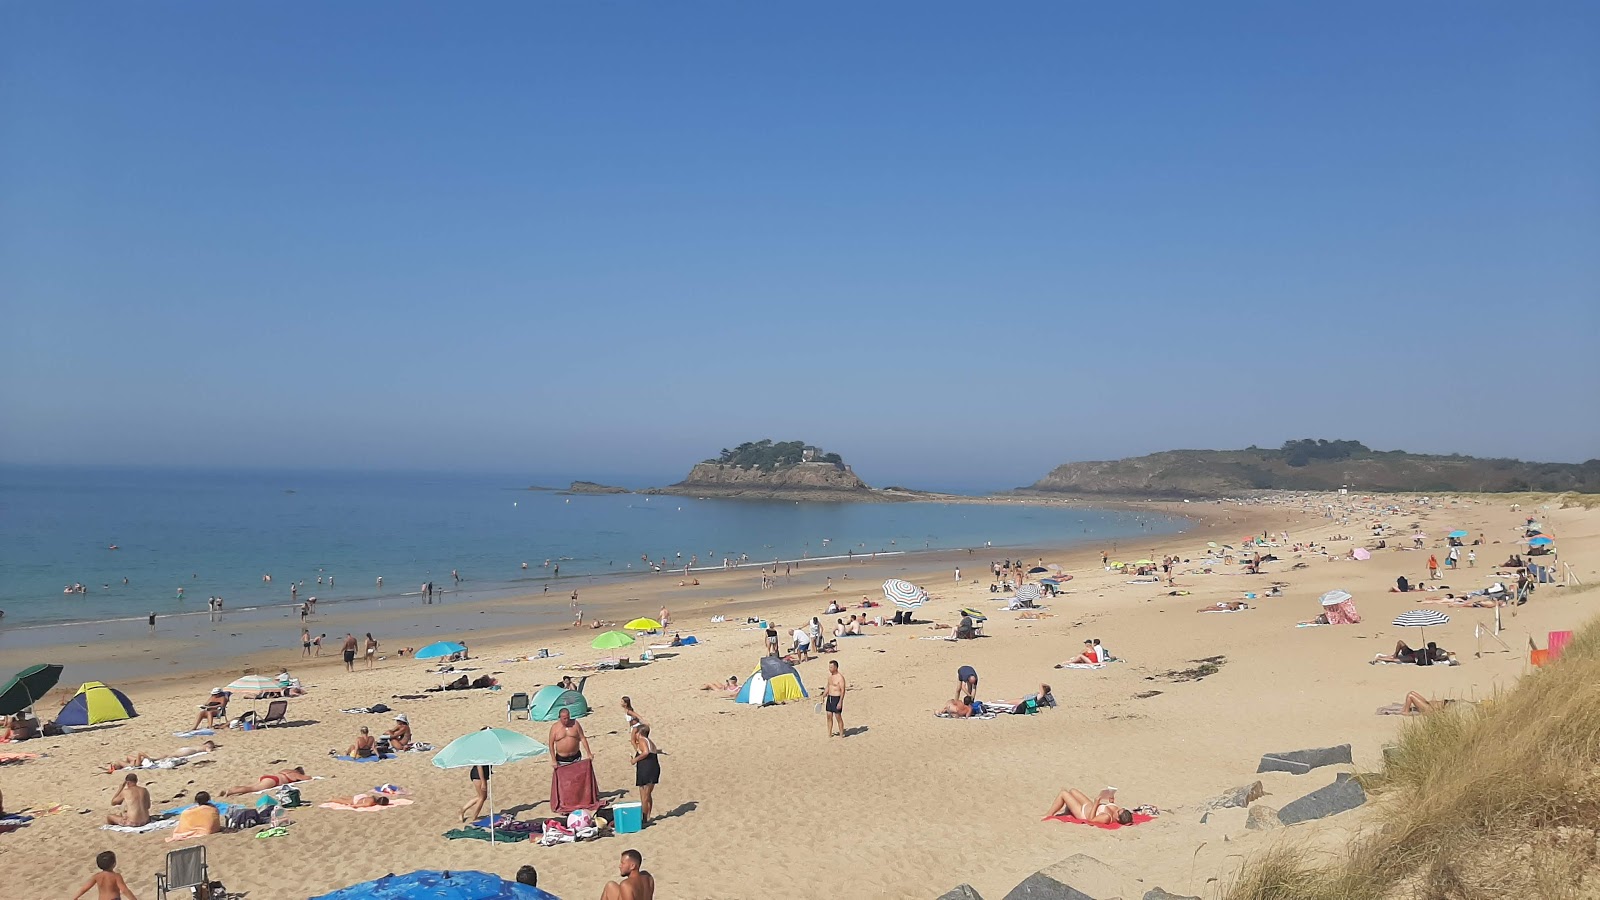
pixel 547 705
pixel 434 884
pixel 775 682
pixel 95 703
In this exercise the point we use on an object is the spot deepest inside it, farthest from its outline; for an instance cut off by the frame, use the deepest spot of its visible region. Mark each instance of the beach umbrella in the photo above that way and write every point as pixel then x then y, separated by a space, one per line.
pixel 438 649
pixel 1145 562
pixel 253 686
pixel 904 594
pixel 612 640
pixel 1211 543
pixel 433 884
pixel 642 625
pixel 1037 569
pixel 1540 541
pixel 26 687
pixel 1334 598
pixel 1361 553
pixel 1458 533
pixel 488 747
pixel 1029 592
pixel 1053 582
pixel 1420 618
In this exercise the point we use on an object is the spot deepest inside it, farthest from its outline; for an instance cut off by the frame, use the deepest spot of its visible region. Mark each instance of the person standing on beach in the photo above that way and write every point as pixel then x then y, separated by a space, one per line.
pixel 1472 559
pixel 152 623
pixel 958 574
pixel 305 641
pixel 566 736
pixel 1433 567
pixel 834 703
pixel 380 582
pixel 372 649
pixel 349 652
pixel 646 768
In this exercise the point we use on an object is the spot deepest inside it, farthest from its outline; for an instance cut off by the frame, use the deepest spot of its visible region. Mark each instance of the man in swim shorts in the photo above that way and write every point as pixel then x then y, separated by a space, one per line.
pixel 349 652
pixel 834 703
pixel 566 736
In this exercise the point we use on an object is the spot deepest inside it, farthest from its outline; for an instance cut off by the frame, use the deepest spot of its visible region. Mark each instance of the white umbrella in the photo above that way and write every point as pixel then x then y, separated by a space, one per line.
pixel 904 594
pixel 1334 598
pixel 1420 618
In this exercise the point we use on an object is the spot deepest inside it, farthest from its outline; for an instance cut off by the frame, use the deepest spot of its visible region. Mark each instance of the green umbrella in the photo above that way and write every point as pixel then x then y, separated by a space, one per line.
pixel 488 747
pixel 612 640
pixel 26 687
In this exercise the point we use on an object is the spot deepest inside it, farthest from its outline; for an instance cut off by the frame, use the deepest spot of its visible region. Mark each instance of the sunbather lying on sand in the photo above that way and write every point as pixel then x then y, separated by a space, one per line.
pixel 1225 606
pixel 960 707
pixel 137 759
pixel 269 781
pixel 1100 811
pixel 1404 654
pixel 1453 600
pixel 1043 698
pixel 370 798
pixel 730 686
pixel 1414 705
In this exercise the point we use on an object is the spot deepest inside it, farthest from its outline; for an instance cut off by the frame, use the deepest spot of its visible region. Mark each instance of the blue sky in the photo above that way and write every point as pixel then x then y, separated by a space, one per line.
pixel 958 244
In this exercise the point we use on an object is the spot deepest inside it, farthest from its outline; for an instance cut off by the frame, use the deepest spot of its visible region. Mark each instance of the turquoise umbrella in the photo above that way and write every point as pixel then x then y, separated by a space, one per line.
pixel 440 648
pixel 488 747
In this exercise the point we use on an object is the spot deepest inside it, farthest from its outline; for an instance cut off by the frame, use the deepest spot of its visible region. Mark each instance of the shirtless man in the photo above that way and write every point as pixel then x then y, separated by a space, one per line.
pixel 134 799
pixel 835 700
pixel 107 880
pixel 566 736
pixel 636 883
pixel 349 649
pixel 268 782
pixel 139 758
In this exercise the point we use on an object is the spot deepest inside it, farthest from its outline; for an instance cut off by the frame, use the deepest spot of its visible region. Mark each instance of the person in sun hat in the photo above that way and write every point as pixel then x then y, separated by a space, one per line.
pixel 400 735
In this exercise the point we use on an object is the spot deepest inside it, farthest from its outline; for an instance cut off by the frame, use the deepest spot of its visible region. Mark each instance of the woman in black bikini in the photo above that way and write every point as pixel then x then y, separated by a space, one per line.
pixel 647 768
pixel 480 782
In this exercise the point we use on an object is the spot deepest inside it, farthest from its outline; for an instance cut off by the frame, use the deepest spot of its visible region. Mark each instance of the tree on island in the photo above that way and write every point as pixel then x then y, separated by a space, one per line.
pixel 769 454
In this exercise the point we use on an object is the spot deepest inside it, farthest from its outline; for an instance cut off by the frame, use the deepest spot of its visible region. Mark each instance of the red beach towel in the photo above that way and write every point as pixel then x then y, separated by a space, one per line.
pixel 1138 819
pixel 573 786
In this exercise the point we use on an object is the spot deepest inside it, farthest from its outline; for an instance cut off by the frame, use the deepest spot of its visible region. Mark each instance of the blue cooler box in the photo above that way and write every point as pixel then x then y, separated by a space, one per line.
pixel 627 818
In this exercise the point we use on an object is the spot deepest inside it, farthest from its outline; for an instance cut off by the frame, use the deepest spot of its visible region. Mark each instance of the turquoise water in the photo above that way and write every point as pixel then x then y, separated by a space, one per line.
pixel 218 533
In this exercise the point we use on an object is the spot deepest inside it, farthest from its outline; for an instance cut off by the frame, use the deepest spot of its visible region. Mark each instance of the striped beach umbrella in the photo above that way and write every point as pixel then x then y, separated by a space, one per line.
pixel 1420 618
pixel 1028 592
pixel 253 686
pixel 904 594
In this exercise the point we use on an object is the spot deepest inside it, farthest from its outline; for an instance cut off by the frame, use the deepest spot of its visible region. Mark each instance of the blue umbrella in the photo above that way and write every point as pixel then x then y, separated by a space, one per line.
pixel 441 648
pixel 432 884
pixel 1539 541
pixel 1458 534
pixel 1050 581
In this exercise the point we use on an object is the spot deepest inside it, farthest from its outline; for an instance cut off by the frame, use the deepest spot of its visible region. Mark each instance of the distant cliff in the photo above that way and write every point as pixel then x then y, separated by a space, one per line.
pixel 1312 465
pixel 768 470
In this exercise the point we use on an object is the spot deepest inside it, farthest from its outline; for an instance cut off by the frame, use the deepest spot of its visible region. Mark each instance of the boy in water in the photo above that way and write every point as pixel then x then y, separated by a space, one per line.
pixel 108 880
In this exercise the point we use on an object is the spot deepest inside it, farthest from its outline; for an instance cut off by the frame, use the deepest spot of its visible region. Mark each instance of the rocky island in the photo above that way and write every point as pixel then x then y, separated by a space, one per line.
pixel 782 470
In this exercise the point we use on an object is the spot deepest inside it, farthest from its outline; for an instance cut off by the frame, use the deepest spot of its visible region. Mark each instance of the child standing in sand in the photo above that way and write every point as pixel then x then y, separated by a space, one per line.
pixel 108 880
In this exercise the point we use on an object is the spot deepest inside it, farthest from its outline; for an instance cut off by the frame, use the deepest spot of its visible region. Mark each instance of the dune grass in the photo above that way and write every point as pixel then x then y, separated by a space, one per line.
pixel 1501 799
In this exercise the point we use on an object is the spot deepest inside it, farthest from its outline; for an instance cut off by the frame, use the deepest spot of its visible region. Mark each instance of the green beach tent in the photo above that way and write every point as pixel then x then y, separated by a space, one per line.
pixel 552 699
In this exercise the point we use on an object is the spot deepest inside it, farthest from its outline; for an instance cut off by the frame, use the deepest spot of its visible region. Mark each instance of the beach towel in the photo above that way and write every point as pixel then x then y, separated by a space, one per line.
pixel 154 825
pixel 499 822
pixel 1138 819
pixel 393 802
pixel 1309 624
pixel 933 638
pixel 363 759
pixel 573 786
pixel 1082 666
pixel 482 834
pixel 11 823
pixel 7 759
pixel 988 714
pixel 198 732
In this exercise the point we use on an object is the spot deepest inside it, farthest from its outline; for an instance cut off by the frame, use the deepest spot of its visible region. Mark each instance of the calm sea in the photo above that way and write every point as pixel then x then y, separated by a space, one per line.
pixel 218 533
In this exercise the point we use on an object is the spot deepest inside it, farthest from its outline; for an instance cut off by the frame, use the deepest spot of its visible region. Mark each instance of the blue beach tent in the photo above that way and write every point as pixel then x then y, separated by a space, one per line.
pixel 433 884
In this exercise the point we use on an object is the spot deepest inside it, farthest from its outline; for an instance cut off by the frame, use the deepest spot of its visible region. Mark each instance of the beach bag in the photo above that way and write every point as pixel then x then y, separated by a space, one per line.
pixel 1030 706
pixel 288 796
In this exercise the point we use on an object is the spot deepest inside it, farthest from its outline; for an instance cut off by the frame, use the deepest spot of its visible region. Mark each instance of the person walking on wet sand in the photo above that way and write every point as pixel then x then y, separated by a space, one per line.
pixel 349 652
pixel 833 704
pixel 152 623
pixel 371 649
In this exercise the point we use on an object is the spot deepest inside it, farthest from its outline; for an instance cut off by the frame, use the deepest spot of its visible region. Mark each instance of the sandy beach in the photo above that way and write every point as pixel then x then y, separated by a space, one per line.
pixel 760 802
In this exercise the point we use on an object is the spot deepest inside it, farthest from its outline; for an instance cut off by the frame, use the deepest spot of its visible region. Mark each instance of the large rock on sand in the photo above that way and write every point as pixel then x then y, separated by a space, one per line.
pixel 1343 795
pixel 960 892
pixel 1077 877
pixel 1299 762
pixel 1243 795
pixel 1262 818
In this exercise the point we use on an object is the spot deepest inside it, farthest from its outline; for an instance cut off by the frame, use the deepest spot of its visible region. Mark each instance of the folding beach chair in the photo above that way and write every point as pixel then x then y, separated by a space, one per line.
pixel 186 870
pixel 277 711
pixel 517 704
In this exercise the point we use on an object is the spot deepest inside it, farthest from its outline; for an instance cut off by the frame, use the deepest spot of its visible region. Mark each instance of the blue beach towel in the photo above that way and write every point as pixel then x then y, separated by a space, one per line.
pixel 360 759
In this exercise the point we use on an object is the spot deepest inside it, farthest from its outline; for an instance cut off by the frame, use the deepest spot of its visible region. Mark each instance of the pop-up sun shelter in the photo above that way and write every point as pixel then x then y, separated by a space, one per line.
pixel 552 699
pixel 775 682
pixel 95 703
